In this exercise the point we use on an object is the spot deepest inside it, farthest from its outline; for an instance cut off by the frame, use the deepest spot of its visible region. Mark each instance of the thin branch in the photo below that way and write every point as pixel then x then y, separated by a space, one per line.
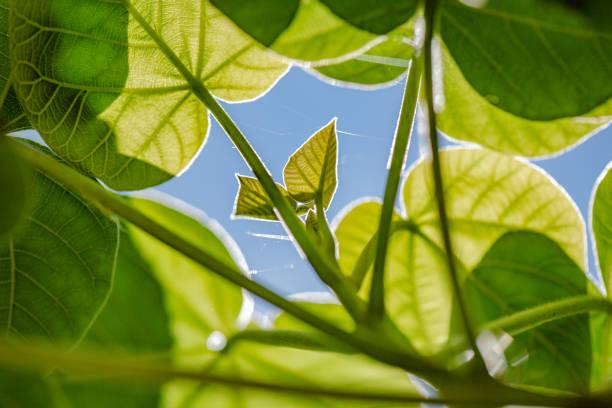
pixel 401 144
pixel 92 192
pixel 528 319
pixel 431 7
pixel 320 262
pixel 287 338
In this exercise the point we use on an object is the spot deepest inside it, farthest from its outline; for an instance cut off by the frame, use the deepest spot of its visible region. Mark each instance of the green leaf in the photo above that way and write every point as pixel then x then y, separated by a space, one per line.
pixel 471 117
pixel 382 64
pixel 311 172
pixel 56 265
pixel 487 194
pixel 601 225
pixel 253 202
pixel 13 187
pixel 97 82
pixel 11 115
pixel 289 366
pixel 375 16
pixel 520 271
pixel 264 20
pixel 539 60
pixel 163 305
pixel 26 390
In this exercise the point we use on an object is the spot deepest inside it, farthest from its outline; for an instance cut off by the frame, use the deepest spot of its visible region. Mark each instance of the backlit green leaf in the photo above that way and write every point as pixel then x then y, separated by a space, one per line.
pixel 471 117
pixel 56 265
pixel 98 84
pixel 539 60
pixel 13 188
pixel 520 271
pixel 253 202
pixel 165 305
pixel 375 16
pixel 381 64
pixel 487 194
pixel 311 174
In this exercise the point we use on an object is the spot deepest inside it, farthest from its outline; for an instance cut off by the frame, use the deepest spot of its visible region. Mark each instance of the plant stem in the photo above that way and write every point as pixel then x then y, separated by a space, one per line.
pixel 367 343
pixel 527 319
pixel 325 233
pixel 125 368
pixel 288 338
pixel 328 270
pixel 431 7
pixel 401 143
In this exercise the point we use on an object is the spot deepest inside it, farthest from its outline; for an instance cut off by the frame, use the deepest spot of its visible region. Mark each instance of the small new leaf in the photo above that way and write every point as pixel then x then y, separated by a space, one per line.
pixel 252 200
pixel 311 171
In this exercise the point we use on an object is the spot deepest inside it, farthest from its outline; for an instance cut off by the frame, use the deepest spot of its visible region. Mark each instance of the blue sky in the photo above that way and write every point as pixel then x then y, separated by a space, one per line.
pixel 283 119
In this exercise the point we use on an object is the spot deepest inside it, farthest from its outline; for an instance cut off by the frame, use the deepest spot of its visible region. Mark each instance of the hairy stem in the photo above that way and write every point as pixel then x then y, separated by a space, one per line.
pixel 528 319
pixel 324 267
pixel 431 7
pixel 401 143
pixel 367 343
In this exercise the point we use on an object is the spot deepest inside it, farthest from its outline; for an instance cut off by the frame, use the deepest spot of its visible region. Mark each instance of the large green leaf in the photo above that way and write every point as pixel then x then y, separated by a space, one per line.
pixel 536 59
pixel 471 117
pixel 13 188
pixel 487 195
pixel 27 390
pixel 520 271
pixel 56 265
pixel 11 114
pixel 601 225
pixel 163 305
pixel 382 64
pixel 311 172
pixel 318 31
pixel 97 82
pixel 524 77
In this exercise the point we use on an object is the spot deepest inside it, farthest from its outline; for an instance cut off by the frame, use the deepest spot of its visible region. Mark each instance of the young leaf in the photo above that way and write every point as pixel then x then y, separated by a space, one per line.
pixel 520 271
pixel 311 174
pixel 100 83
pixel 163 303
pixel 540 60
pixel 56 265
pixel 13 179
pixel 253 202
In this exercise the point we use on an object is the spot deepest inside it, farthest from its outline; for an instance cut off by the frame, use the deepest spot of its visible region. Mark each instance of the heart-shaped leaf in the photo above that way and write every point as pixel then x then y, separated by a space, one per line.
pixel 110 85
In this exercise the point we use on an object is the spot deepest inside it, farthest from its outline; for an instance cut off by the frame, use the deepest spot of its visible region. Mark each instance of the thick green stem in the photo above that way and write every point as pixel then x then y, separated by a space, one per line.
pixel 370 344
pixel 317 258
pixel 288 338
pixel 125 368
pixel 431 7
pixel 327 238
pixel 527 319
pixel 401 143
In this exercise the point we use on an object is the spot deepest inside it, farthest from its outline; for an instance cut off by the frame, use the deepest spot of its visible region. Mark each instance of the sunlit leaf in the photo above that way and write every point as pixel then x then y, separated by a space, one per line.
pixel 164 305
pixel 311 172
pixel 520 271
pixel 525 77
pixel 253 202
pixel 98 85
pixel 539 60
pixel 13 188
pixel 380 65
pixel 487 194
pixel 601 225
pixel 56 265
pixel 322 31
